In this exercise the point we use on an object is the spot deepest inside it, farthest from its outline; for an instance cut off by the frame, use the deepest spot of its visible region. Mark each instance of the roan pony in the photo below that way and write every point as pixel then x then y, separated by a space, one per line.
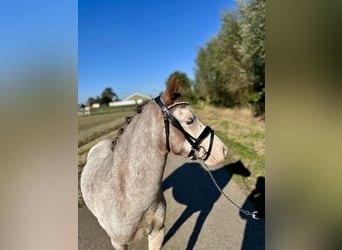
pixel 121 183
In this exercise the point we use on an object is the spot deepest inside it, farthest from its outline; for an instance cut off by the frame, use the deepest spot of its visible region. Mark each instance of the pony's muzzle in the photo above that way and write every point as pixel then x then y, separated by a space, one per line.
pixel 219 153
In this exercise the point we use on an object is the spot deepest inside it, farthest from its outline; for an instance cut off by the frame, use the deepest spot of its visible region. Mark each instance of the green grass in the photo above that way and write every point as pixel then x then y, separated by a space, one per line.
pixel 252 159
pixel 238 148
pixel 92 126
pixel 244 138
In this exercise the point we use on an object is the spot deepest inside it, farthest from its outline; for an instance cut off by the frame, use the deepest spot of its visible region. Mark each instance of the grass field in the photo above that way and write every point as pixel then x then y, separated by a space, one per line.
pixel 239 129
pixel 92 128
pixel 244 135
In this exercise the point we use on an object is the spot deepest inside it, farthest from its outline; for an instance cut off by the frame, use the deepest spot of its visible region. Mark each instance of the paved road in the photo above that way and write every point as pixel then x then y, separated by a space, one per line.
pixel 198 216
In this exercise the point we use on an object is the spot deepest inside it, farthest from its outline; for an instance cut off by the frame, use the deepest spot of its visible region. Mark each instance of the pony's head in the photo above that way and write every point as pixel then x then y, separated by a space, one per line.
pixel 185 134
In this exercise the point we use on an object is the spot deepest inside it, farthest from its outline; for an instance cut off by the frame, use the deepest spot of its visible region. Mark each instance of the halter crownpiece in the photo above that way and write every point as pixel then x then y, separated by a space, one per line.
pixel 194 142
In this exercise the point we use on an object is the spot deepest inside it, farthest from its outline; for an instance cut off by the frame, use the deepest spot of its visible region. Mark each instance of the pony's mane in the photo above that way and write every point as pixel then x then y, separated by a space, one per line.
pixel 128 119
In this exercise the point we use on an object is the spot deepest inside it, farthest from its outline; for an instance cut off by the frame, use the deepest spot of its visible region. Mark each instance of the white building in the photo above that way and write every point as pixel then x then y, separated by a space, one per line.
pixel 134 99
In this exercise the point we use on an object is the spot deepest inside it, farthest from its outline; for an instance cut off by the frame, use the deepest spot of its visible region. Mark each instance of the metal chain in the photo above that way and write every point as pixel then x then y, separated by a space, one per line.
pixel 246 212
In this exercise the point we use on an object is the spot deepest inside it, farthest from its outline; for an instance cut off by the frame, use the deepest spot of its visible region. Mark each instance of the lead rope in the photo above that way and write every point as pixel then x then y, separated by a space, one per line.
pixel 246 212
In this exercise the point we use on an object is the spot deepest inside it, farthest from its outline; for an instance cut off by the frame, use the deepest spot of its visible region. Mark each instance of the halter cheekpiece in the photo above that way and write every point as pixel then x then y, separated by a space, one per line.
pixel 194 142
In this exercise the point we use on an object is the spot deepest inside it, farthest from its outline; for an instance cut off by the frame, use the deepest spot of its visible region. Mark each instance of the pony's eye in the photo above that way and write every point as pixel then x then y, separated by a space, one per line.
pixel 189 121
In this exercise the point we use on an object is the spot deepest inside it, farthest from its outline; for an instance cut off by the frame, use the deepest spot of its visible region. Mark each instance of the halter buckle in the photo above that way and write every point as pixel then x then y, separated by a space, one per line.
pixel 192 156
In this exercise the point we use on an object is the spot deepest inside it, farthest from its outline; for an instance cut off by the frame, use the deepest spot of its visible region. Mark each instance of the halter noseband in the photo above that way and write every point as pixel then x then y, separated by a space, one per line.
pixel 194 142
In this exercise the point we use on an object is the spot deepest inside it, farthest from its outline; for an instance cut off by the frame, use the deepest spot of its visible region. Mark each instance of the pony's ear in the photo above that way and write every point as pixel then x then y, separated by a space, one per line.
pixel 171 92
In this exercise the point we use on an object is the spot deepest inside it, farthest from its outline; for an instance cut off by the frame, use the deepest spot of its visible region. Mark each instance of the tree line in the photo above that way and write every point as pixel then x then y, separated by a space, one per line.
pixel 230 68
pixel 107 96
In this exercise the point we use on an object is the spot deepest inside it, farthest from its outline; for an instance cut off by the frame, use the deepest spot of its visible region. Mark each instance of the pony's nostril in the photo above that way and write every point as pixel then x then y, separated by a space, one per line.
pixel 225 151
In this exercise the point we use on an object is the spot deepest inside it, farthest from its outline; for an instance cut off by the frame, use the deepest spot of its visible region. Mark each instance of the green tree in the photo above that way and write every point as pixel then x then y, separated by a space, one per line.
pixel 252 49
pixel 91 101
pixel 208 75
pixel 218 72
pixel 230 68
pixel 107 96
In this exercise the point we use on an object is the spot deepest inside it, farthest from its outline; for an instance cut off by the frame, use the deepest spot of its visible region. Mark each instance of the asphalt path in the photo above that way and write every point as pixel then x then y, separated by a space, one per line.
pixel 198 216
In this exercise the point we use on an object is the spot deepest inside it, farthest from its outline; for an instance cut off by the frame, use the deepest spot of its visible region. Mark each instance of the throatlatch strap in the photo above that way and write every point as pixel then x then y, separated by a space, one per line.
pixel 166 120
pixel 167 132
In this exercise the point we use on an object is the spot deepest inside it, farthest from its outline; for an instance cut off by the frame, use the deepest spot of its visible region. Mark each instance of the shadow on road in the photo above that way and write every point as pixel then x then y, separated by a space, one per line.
pixel 192 186
pixel 254 237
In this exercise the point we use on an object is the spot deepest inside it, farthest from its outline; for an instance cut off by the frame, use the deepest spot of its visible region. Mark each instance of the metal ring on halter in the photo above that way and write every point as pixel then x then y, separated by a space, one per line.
pixel 254 215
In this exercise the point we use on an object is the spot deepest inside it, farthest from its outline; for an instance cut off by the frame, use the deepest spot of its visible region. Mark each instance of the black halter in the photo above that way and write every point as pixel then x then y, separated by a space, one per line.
pixel 168 117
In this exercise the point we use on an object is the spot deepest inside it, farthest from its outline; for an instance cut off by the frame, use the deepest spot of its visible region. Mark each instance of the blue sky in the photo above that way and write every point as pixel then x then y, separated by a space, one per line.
pixel 32 31
pixel 133 46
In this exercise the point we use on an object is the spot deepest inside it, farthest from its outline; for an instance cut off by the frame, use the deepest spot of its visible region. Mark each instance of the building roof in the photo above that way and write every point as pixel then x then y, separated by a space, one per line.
pixel 137 96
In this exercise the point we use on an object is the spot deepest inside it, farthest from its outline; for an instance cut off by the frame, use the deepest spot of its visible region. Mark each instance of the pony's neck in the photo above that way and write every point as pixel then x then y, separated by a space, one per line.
pixel 139 155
